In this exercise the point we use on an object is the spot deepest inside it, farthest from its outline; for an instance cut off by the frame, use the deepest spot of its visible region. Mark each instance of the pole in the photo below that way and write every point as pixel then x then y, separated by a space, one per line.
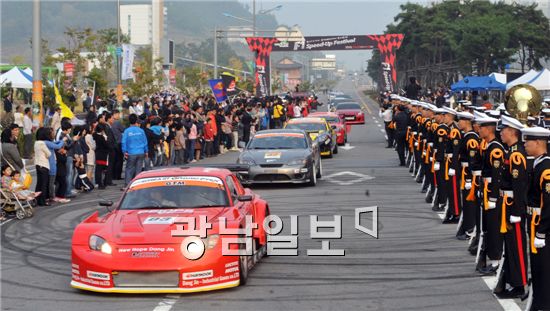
pixel 215 52
pixel 118 79
pixel 37 96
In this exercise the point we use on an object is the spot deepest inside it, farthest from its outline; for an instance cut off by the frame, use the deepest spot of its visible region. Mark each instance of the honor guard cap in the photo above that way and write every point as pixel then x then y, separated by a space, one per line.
pixel 535 133
pixel 463 115
pixel 507 121
pixel 448 110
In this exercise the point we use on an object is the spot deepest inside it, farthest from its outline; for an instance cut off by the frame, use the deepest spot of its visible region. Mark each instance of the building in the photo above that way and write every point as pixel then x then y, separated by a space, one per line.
pixel 289 73
pixel 145 24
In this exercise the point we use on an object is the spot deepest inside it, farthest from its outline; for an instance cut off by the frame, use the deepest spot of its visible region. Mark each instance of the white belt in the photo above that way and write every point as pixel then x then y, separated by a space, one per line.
pixel 487 179
pixel 449 155
pixel 476 173
pixel 508 193
pixel 430 144
pixel 464 164
pixel 414 133
pixel 531 210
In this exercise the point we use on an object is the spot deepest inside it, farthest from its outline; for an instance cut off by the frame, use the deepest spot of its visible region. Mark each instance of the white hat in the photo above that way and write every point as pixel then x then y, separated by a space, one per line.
pixel 463 115
pixel 501 107
pixel 448 110
pixel 493 113
pixel 511 122
pixel 546 99
pixel 546 110
pixel 535 133
pixel 483 119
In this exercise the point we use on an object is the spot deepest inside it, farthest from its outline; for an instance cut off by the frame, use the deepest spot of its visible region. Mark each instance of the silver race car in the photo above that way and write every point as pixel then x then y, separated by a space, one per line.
pixel 281 156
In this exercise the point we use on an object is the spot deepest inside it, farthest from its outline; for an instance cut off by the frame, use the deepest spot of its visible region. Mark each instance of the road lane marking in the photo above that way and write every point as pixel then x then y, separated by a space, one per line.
pixel 362 101
pixel 167 303
pixel 359 178
pixel 506 304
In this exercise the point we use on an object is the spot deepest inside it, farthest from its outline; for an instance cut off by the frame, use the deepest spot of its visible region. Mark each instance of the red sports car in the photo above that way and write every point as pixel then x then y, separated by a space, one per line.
pixel 337 123
pixel 147 244
pixel 351 112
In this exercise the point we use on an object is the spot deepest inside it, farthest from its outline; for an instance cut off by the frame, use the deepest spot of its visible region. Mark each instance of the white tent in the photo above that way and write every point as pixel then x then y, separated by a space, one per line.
pixel 17 78
pixel 541 81
pixel 523 79
pixel 28 71
pixel 499 77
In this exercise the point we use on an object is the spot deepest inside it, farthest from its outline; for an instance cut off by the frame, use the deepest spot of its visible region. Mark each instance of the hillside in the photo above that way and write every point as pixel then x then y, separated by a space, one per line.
pixel 187 21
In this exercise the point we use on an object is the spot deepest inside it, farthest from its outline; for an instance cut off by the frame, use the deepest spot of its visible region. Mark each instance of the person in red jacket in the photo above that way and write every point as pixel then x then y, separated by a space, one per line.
pixel 208 137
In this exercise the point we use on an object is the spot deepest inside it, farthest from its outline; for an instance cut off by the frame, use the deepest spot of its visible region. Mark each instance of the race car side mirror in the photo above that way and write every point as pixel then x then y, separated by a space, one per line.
pixel 244 198
pixel 106 203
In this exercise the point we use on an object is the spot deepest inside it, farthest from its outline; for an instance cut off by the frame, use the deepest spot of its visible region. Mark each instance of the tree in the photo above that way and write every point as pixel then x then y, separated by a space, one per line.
pixel 147 76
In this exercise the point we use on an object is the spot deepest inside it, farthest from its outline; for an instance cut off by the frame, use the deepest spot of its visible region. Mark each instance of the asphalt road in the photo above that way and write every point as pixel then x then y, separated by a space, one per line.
pixel 415 264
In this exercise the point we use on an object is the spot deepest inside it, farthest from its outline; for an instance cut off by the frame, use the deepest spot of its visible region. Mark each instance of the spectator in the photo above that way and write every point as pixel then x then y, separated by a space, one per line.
pixel 135 149
pixel 18 116
pixel 192 136
pixel 52 177
pixel 179 145
pixel 56 119
pixel 103 148
pixel 60 176
pixel 118 129
pixel 90 157
pixel 208 137
pixel 413 89
pixel 87 102
pixel 19 189
pixel 10 153
pixel 41 160
pixel 27 133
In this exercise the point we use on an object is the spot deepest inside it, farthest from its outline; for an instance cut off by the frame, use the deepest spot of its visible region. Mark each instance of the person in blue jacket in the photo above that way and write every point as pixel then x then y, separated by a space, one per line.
pixel 134 148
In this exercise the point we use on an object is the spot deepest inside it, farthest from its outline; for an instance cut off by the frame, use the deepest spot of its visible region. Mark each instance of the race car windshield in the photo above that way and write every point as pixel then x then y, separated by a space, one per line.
pixel 331 119
pixel 278 142
pixel 348 106
pixel 175 192
pixel 307 126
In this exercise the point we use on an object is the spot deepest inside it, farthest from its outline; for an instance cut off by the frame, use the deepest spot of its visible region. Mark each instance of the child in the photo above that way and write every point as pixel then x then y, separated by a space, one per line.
pixel 19 189
pixel 6 176
pixel 82 182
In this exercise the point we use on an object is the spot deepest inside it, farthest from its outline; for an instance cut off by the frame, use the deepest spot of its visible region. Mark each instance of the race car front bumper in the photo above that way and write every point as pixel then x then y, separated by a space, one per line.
pixel 268 175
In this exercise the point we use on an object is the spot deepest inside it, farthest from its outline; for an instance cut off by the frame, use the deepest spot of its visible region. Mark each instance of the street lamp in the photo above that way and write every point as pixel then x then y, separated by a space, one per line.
pixel 253 21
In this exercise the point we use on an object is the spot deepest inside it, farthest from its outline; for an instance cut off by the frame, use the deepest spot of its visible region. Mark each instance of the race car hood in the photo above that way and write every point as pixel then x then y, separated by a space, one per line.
pixel 153 226
pixel 276 156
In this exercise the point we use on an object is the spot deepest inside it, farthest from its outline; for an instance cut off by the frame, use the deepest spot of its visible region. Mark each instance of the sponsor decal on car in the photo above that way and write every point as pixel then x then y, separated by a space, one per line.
pixel 202 181
pixel 197 275
pixel 272 155
pixel 98 275
pixel 159 220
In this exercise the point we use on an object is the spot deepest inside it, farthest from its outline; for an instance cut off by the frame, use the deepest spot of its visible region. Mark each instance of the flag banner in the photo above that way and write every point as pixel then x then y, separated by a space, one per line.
pixel 229 81
pixel 218 89
pixel 127 62
pixel 65 110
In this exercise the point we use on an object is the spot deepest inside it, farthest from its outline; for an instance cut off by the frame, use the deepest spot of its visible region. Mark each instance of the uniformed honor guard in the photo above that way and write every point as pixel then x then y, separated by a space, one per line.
pixel 441 136
pixel 493 160
pixel 452 166
pixel 513 204
pixel 470 161
pixel 536 139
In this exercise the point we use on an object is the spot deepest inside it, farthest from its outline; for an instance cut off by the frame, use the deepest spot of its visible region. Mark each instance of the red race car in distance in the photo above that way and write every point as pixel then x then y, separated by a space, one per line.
pixel 153 240
pixel 337 123
pixel 351 112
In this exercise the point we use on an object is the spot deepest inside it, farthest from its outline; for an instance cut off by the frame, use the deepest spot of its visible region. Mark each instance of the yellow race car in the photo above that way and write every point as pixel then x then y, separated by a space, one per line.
pixel 319 131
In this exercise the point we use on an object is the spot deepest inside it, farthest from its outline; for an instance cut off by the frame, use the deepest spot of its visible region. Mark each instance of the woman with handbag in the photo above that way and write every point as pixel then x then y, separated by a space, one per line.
pixel 41 160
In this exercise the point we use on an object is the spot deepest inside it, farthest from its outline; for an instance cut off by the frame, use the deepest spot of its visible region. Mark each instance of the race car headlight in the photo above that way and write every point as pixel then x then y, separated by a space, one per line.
pixel 298 162
pixel 98 243
pixel 360 114
pixel 247 160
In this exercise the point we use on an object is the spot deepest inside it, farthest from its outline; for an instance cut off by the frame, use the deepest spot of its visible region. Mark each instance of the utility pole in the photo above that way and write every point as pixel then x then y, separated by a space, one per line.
pixel 37 97
pixel 118 79
pixel 215 52
pixel 254 17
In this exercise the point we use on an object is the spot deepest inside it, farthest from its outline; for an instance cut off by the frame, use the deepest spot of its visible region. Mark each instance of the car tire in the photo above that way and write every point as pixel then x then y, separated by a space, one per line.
pixel 320 170
pixel 331 154
pixel 336 149
pixel 346 139
pixel 313 176
pixel 243 269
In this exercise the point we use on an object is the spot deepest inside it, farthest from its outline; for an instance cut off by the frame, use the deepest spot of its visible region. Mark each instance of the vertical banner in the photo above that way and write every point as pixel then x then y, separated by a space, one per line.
pixel 127 62
pixel 262 46
pixel 230 83
pixel 218 89
pixel 68 67
pixel 387 77
pixel 172 77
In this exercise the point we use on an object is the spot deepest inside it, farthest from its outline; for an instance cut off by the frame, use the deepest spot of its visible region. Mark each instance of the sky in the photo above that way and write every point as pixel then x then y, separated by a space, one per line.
pixel 319 18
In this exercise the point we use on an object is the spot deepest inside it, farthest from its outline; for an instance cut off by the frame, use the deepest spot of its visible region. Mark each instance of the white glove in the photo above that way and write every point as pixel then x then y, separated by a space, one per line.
pixel 468 185
pixel 452 172
pixel 416 144
pixel 436 166
pixel 424 153
pixel 514 219
pixel 492 204
pixel 539 243
pixel 431 159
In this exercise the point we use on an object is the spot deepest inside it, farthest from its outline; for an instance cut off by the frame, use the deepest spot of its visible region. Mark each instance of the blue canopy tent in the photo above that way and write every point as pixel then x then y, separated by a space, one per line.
pixel 485 83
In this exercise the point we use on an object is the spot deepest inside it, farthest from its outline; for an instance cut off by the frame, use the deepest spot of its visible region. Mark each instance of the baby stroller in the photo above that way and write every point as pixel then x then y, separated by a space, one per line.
pixel 11 203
